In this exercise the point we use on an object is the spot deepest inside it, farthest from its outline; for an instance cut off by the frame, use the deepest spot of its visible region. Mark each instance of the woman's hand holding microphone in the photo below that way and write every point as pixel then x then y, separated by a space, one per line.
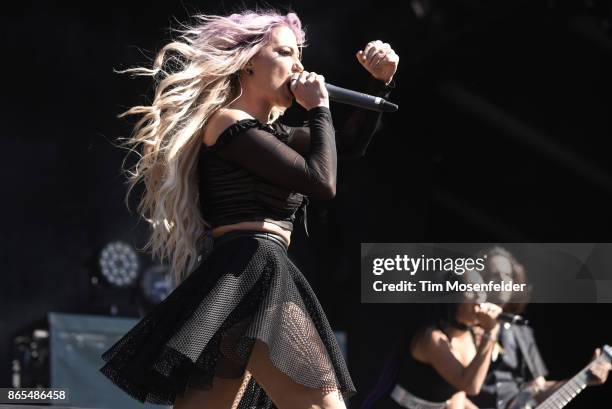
pixel 487 314
pixel 309 90
pixel 377 57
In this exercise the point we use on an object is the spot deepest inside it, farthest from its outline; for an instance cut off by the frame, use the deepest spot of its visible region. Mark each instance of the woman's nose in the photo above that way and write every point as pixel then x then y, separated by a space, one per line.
pixel 297 66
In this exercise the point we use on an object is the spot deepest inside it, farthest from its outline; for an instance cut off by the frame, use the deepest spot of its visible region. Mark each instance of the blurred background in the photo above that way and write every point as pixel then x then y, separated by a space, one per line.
pixel 502 136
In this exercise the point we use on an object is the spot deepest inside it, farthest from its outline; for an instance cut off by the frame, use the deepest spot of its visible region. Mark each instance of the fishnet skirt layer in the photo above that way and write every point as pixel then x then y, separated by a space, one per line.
pixel 248 289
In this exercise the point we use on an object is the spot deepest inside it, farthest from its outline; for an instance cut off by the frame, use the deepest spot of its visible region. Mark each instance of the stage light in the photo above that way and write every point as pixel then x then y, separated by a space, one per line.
pixel 119 264
pixel 156 283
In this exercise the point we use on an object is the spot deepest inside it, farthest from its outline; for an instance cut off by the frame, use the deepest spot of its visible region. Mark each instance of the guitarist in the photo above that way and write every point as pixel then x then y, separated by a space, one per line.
pixel 516 363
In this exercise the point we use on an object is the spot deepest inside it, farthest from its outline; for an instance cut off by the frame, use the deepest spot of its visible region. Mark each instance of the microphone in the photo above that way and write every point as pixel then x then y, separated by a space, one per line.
pixel 512 319
pixel 359 99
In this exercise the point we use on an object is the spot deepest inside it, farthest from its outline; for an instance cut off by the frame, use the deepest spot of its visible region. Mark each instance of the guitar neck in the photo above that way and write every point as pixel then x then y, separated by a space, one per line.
pixel 570 389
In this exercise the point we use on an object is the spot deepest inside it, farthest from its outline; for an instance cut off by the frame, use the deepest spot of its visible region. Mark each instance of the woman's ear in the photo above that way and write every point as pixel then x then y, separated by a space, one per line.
pixel 248 68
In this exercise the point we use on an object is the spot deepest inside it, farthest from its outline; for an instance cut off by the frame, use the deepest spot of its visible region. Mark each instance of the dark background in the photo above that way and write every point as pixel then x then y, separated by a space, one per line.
pixel 501 136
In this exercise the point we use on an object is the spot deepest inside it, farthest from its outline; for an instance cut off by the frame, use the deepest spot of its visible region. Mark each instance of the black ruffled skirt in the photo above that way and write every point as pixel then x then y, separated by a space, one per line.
pixel 246 290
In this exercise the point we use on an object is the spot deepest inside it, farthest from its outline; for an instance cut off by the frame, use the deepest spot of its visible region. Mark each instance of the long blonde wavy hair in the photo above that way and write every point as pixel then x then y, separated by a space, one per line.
pixel 195 75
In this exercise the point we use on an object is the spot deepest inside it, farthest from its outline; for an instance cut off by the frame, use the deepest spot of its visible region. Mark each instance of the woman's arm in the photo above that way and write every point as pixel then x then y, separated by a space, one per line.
pixel 468 378
pixel 381 61
pixel 354 137
pixel 312 174
pixel 460 401
pixel 359 129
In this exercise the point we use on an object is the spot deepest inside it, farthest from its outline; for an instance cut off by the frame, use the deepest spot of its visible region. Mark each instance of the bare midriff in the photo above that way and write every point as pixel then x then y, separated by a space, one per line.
pixel 257 226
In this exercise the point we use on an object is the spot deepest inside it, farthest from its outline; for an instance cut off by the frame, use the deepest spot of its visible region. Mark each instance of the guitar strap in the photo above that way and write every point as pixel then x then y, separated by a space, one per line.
pixel 529 350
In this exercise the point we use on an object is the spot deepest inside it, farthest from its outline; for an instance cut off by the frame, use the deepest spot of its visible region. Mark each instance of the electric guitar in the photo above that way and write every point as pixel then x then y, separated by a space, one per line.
pixel 527 399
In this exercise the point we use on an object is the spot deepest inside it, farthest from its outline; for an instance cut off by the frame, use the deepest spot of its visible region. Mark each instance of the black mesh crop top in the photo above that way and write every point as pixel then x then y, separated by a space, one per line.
pixel 266 172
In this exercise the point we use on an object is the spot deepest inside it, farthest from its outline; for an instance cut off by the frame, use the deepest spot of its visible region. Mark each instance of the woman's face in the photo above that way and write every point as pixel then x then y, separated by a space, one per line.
pixel 273 66
pixel 500 269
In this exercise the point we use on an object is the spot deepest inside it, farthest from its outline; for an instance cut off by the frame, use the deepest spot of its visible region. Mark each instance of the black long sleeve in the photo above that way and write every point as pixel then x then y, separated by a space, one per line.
pixel 262 153
pixel 355 136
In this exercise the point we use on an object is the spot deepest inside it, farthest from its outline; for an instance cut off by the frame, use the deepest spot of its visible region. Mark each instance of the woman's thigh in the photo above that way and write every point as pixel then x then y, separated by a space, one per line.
pixel 284 392
pixel 220 396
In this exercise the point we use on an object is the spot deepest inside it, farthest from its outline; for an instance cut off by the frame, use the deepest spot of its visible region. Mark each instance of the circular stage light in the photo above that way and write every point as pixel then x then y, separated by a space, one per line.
pixel 119 264
pixel 156 283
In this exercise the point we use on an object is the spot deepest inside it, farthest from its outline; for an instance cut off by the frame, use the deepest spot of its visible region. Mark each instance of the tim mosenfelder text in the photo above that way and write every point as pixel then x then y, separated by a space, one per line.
pixel 448 286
